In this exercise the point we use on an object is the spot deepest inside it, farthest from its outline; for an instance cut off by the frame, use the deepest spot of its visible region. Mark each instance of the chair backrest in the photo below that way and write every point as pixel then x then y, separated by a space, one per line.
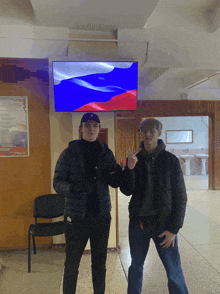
pixel 49 206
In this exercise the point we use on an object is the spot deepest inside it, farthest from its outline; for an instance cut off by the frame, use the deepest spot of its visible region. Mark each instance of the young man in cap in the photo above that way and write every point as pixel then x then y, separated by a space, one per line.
pixel 83 172
pixel 157 207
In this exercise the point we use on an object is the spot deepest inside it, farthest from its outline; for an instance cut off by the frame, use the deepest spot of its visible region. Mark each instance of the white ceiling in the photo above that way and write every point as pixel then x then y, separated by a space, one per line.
pixel 93 14
pixel 99 15
pixel 182 38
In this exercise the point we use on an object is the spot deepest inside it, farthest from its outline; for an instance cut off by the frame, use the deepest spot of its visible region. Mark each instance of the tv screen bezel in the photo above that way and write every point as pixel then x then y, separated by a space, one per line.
pixel 94 61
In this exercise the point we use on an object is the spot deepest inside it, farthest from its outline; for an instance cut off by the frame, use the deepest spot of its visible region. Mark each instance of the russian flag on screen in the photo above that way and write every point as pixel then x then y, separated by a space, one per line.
pixel 114 90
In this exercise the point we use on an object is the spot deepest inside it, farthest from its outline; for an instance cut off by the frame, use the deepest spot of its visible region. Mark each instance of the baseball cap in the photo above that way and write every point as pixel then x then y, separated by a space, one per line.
pixel 90 116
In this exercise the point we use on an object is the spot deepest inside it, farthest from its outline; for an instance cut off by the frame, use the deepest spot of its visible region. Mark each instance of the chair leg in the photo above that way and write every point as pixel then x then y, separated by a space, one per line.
pixel 34 244
pixel 29 252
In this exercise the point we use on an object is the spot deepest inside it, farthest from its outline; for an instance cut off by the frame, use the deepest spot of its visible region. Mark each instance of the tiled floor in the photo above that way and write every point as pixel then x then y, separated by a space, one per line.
pixel 199 242
pixel 47 272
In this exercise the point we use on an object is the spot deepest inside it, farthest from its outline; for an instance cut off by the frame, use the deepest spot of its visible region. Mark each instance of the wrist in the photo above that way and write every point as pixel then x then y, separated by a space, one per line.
pixel 130 167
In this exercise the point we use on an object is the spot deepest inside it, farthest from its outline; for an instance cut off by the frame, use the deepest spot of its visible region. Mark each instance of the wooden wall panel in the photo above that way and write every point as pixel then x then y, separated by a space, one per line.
pixel 211 169
pixel 165 108
pixel 24 178
pixel 216 147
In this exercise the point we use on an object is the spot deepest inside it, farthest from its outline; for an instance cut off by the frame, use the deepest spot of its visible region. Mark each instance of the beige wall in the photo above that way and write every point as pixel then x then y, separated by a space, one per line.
pixel 60 134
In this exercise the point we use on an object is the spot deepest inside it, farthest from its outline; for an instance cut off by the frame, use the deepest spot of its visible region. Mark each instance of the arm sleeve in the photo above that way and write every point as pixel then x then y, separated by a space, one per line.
pixel 110 170
pixel 179 199
pixel 61 181
pixel 114 175
pixel 127 186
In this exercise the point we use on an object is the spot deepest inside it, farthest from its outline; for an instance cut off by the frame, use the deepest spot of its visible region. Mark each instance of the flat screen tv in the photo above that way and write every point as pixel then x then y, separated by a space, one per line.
pixel 95 86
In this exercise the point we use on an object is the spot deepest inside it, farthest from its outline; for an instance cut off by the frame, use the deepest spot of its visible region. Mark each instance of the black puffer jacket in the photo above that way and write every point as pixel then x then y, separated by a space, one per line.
pixel 70 173
pixel 170 191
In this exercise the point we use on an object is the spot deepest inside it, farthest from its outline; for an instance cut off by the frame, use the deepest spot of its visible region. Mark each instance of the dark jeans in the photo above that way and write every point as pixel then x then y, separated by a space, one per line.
pixel 77 234
pixel 139 244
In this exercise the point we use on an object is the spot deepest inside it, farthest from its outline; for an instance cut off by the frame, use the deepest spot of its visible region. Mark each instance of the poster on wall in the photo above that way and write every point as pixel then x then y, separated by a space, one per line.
pixel 14 135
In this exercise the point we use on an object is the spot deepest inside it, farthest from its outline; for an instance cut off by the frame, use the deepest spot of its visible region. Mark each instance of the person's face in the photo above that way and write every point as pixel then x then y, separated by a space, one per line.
pixel 90 130
pixel 150 137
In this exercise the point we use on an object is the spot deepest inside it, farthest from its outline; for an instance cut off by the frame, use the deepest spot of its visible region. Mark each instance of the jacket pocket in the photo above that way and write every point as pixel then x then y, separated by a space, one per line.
pixel 164 201
pixel 77 204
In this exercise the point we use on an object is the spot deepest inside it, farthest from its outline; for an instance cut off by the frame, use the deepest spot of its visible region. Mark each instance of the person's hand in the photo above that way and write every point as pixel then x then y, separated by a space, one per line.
pixel 170 239
pixel 132 159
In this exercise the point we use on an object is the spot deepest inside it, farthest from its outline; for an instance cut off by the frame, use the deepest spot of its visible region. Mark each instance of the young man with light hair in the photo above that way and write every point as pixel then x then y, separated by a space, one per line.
pixel 157 208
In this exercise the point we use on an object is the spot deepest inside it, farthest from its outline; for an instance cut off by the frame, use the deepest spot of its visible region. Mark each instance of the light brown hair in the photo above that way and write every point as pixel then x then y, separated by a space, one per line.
pixel 149 123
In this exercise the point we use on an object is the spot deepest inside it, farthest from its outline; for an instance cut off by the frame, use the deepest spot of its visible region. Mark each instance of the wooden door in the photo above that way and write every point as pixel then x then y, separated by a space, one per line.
pixel 127 137
pixel 102 136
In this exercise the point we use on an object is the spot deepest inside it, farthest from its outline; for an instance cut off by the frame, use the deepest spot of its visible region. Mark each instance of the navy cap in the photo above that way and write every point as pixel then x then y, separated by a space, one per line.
pixel 90 116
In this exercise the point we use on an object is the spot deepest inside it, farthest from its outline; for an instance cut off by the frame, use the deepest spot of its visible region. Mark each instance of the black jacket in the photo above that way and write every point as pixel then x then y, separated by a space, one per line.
pixel 170 192
pixel 70 179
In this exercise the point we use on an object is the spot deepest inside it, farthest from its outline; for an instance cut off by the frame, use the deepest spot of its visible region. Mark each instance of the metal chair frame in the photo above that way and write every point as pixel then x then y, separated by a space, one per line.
pixel 46 207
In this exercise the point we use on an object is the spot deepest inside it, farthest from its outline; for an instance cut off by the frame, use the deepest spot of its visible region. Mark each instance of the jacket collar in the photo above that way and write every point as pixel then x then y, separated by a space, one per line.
pixel 160 146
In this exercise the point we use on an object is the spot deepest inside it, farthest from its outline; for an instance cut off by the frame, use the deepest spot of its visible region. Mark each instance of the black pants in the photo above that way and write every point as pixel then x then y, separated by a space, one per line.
pixel 77 234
